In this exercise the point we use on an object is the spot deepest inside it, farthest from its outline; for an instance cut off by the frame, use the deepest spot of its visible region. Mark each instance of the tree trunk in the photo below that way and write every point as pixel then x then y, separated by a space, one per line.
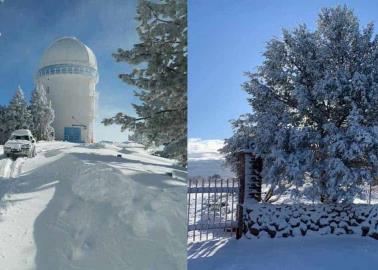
pixel 324 196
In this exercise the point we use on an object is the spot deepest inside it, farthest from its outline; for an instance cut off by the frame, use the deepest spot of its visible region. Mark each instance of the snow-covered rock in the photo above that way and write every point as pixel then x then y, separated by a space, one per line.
pixel 280 220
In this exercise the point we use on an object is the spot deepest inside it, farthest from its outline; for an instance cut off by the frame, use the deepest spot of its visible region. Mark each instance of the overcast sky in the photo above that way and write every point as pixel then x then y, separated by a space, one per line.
pixel 28 27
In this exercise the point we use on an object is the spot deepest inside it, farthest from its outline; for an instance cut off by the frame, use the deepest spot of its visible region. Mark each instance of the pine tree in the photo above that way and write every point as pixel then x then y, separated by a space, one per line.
pixel 42 115
pixel 18 114
pixel 314 101
pixel 160 74
pixel 4 130
pixel 240 141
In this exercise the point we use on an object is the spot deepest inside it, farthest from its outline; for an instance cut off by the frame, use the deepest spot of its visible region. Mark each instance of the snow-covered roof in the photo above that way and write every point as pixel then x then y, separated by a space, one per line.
pixel 22 132
pixel 68 50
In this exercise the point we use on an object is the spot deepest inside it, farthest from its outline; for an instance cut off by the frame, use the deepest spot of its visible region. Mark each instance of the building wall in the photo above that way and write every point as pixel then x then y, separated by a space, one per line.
pixel 73 97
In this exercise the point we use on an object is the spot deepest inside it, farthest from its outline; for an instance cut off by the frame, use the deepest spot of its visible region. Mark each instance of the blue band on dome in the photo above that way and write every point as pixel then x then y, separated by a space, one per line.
pixel 67 69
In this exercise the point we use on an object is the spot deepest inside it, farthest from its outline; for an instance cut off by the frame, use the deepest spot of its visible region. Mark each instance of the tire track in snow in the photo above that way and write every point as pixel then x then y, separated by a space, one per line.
pixel 10 168
pixel 16 167
pixel 5 167
pixel 5 184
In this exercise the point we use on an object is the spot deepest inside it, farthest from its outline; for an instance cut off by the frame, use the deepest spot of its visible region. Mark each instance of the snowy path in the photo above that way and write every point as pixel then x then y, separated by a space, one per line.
pixel 318 253
pixel 82 207
pixel 18 212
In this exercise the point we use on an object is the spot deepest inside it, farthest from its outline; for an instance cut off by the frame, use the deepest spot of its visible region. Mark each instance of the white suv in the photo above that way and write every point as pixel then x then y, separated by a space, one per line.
pixel 21 143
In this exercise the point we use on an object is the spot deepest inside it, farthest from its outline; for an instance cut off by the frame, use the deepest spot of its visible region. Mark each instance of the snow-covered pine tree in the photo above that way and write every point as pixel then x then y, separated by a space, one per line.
pixel 18 114
pixel 4 131
pixel 42 115
pixel 314 101
pixel 241 140
pixel 160 74
pixel 138 137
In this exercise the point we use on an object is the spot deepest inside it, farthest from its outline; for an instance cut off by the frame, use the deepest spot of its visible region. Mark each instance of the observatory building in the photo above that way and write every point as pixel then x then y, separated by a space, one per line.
pixel 68 73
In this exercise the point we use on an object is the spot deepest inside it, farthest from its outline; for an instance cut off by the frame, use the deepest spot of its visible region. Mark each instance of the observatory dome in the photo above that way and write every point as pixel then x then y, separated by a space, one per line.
pixel 68 50
pixel 68 73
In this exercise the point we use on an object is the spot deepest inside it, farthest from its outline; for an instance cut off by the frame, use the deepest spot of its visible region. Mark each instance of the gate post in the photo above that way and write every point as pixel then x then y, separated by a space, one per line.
pixel 255 182
pixel 240 210
pixel 249 174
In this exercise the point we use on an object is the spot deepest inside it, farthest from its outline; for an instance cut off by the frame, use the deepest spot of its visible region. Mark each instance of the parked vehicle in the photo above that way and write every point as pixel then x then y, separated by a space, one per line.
pixel 20 143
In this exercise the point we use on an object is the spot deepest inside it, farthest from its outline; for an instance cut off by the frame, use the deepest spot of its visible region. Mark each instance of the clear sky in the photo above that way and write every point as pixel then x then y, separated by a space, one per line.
pixel 28 27
pixel 227 38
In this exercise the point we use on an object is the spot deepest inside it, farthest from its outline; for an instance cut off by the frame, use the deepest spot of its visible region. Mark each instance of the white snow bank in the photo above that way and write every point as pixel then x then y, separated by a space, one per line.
pixel 199 149
pixel 105 145
pixel 205 160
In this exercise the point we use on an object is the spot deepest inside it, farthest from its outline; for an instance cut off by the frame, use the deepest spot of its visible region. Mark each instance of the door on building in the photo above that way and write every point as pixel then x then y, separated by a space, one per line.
pixel 72 134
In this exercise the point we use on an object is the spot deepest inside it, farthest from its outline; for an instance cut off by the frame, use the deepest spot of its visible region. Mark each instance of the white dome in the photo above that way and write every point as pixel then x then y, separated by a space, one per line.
pixel 68 50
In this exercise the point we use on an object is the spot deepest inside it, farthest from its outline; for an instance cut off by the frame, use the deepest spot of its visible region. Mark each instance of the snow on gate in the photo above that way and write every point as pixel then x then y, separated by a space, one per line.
pixel 213 208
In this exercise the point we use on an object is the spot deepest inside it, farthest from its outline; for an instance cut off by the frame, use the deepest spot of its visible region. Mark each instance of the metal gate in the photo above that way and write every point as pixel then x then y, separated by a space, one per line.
pixel 212 208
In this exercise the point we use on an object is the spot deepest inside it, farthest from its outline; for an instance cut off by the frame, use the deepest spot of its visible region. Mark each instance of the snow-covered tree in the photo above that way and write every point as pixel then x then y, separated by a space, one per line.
pixel 18 114
pixel 4 131
pixel 315 107
pixel 42 115
pixel 160 74
pixel 240 141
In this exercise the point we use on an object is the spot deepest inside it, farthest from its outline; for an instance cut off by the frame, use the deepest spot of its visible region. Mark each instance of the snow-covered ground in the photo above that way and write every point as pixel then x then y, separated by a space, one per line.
pixel 80 206
pixel 315 253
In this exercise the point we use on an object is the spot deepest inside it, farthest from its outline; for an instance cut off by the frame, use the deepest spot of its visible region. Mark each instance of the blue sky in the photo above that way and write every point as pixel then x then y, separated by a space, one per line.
pixel 227 38
pixel 28 27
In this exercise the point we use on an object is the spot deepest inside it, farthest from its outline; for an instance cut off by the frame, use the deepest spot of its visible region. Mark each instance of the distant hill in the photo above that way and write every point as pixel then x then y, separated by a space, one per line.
pixel 208 167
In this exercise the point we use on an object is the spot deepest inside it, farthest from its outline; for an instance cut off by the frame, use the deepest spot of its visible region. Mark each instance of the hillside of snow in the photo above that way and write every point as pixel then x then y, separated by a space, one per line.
pixel 209 167
pixel 78 206
pixel 205 160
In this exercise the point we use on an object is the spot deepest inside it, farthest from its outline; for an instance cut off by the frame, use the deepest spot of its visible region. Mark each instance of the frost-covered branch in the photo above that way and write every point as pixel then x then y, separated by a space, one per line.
pixel 122 119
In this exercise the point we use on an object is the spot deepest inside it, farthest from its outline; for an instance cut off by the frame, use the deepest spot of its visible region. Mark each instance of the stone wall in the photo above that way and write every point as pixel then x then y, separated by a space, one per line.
pixel 269 220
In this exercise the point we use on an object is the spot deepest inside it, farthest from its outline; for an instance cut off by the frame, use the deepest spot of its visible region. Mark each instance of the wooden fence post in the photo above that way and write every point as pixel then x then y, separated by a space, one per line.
pixel 240 211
